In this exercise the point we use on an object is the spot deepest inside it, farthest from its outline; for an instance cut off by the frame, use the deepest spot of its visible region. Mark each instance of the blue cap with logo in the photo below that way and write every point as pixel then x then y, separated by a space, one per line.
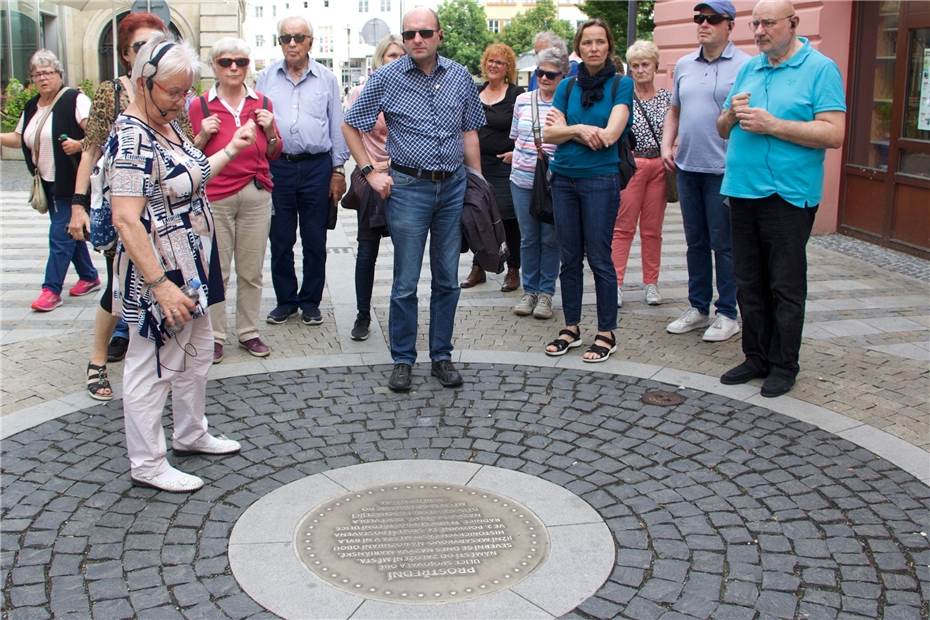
pixel 720 7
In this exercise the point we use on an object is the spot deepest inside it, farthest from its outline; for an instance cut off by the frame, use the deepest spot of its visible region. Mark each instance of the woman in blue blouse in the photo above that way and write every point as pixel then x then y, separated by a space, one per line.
pixel 590 113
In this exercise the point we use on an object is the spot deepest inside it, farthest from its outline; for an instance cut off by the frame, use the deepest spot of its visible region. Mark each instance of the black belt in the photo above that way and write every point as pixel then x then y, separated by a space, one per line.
pixel 303 156
pixel 650 154
pixel 427 175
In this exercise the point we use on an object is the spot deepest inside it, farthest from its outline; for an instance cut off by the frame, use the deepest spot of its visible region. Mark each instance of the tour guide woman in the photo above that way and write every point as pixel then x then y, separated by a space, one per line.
pixel 157 179
pixel 586 124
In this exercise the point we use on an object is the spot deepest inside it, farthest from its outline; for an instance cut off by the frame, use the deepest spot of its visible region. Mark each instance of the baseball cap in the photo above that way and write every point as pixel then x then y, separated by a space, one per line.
pixel 720 7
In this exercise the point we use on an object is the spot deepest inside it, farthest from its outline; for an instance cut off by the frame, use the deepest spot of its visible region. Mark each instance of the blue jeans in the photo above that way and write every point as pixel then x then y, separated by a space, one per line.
pixel 707 229
pixel 415 208
pixel 539 246
pixel 585 212
pixel 300 199
pixel 62 249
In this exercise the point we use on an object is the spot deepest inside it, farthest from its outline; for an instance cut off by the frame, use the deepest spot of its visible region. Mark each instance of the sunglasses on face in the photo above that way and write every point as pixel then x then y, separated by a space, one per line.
pixel 549 75
pixel 226 63
pixel 137 46
pixel 713 20
pixel 426 33
pixel 285 39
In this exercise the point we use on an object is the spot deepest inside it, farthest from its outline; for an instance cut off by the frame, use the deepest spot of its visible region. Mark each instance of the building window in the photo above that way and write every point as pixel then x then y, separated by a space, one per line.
pixel 259 11
pixel 326 3
pixel 306 5
pixel 274 10
pixel 494 25
pixel 385 5
pixel 362 6
pixel 259 40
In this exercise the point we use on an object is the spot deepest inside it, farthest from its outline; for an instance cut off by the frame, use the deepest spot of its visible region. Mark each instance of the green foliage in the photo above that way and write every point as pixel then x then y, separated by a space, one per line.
pixel 615 14
pixel 525 25
pixel 465 32
pixel 88 88
pixel 14 100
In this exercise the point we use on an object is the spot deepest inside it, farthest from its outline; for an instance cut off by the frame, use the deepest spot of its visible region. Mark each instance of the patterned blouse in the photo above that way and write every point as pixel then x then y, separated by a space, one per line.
pixel 655 109
pixel 103 114
pixel 172 175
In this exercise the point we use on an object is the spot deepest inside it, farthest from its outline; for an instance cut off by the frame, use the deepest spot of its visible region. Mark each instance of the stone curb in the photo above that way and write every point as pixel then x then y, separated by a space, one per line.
pixel 908 457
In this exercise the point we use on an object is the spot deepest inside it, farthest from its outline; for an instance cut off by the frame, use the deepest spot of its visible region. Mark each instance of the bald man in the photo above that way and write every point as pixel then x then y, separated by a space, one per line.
pixel 786 107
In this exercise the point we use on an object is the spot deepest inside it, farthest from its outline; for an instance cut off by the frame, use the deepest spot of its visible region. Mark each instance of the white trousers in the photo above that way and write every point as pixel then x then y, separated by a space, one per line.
pixel 185 361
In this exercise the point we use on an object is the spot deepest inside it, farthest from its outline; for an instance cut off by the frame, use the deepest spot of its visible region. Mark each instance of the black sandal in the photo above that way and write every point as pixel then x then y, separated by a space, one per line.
pixel 603 353
pixel 97 381
pixel 561 345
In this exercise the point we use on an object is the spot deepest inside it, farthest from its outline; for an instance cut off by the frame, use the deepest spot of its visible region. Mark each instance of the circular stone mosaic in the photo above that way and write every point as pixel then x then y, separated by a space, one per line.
pixel 421 542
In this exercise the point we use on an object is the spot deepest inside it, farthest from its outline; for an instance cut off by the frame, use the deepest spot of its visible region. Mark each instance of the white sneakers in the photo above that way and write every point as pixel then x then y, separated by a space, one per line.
pixel 652 295
pixel 543 309
pixel 208 444
pixel 171 480
pixel 619 297
pixel 722 328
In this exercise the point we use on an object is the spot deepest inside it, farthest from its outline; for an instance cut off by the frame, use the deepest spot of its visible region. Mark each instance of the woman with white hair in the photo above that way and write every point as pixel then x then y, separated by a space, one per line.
pixel 49 132
pixel 240 197
pixel 156 183
pixel 643 200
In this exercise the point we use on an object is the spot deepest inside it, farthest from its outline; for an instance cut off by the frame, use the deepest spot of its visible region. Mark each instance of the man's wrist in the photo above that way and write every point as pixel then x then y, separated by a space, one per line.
pixel 340 170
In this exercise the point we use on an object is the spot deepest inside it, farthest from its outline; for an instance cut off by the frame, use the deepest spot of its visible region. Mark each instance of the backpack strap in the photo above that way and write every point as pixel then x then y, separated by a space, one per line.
pixel 203 105
pixel 264 102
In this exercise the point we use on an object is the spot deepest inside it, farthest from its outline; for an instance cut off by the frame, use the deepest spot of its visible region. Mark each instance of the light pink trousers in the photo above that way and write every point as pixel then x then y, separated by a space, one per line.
pixel 185 361
pixel 642 201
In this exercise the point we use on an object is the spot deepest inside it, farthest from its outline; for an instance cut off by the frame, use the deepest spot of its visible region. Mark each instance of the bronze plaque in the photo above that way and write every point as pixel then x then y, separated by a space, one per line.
pixel 421 542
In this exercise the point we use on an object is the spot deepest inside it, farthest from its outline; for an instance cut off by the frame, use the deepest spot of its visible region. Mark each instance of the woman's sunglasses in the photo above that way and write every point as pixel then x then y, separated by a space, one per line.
pixel 226 63
pixel 713 20
pixel 549 75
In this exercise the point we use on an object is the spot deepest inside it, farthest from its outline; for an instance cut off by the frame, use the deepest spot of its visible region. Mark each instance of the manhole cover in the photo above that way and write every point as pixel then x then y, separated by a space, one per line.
pixel 422 542
pixel 662 398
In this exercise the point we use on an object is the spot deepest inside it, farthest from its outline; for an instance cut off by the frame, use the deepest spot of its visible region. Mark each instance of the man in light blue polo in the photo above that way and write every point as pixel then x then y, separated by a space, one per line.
pixel 702 81
pixel 785 109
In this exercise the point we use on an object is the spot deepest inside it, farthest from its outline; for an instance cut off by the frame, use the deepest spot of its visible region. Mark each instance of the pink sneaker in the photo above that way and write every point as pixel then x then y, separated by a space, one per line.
pixel 83 287
pixel 46 301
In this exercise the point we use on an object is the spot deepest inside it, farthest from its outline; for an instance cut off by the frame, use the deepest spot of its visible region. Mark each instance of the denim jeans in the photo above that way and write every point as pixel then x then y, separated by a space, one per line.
pixel 707 229
pixel 585 212
pixel 365 273
pixel 300 199
pixel 62 249
pixel 417 208
pixel 539 246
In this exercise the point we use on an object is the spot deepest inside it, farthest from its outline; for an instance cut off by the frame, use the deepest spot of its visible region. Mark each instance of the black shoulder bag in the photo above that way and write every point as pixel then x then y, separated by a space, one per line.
pixel 541 208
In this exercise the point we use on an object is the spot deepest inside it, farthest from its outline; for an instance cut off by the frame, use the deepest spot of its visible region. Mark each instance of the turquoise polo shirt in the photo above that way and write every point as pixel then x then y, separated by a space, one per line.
pixel 796 90
pixel 575 160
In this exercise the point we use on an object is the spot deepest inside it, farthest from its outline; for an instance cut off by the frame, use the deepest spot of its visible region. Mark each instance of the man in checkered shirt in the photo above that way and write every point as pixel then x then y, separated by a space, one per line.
pixel 432 111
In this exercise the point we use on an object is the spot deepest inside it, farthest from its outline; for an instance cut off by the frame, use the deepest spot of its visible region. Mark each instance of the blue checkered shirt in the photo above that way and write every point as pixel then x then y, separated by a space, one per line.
pixel 425 114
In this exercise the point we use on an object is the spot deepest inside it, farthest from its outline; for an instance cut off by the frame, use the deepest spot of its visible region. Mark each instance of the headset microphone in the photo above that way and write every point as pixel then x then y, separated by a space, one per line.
pixel 149 81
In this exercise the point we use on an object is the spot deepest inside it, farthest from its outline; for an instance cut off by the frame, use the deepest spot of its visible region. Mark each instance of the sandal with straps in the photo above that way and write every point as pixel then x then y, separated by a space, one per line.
pixel 97 382
pixel 603 353
pixel 561 345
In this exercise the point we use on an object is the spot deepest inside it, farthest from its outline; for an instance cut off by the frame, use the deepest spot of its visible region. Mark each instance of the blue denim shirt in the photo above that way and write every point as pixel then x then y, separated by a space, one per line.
pixel 308 110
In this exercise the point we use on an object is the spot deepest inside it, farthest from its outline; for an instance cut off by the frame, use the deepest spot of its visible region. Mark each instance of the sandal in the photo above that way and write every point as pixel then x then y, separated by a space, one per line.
pixel 97 382
pixel 561 345
pixel 603 353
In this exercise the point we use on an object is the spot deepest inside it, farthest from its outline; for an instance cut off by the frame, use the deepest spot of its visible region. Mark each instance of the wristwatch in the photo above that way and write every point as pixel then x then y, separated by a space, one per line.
pixel 339 170
pixel 366 169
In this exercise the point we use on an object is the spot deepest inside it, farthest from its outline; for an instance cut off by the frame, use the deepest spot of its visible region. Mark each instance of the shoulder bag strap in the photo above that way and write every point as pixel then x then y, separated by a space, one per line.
pixel 264 102
pixel 537 128
pixel 37 139
pixel 203 105
pixel 652 130
pixel 117 89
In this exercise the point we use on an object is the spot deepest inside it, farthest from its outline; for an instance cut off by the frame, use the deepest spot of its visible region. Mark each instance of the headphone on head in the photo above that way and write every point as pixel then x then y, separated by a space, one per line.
pixel 153 60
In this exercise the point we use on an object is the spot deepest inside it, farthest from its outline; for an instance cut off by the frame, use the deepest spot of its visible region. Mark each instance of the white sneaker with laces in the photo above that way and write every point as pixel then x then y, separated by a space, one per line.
pixel 619 297
pixel 652 295
pixel 543 309
pixel 171 480
pixel 723 328
pixel 208 444
pixel 526 305
pixel 690 320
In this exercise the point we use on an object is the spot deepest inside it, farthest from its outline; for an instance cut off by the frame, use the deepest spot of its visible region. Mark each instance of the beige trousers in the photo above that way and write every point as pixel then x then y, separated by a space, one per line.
pixel 184 361
pixel 242 224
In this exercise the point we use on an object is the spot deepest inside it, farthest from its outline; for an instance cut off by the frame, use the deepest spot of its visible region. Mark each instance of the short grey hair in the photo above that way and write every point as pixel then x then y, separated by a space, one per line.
pixel 229 45
pixel 45 58
pixel 554 56
pixel 377 60
pixel 295 18
pixel 180 59
pixel 643 50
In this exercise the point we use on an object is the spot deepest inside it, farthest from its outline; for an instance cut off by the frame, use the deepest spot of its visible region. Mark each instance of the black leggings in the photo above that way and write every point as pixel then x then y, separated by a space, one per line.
pixel 106 300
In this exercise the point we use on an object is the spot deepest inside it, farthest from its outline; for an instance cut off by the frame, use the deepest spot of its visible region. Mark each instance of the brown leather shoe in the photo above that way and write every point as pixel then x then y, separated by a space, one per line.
pixel 475 276
pixel 511 280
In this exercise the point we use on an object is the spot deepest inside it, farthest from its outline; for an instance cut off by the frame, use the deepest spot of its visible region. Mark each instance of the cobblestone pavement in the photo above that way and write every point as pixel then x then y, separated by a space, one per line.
pixel 865 354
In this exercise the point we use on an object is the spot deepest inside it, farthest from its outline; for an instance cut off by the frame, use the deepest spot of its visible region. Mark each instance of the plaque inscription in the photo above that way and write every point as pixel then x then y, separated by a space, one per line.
pixel 421 542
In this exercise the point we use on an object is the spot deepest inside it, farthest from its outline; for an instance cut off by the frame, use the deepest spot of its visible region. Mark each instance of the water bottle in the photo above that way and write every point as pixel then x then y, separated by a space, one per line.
pixel 192 290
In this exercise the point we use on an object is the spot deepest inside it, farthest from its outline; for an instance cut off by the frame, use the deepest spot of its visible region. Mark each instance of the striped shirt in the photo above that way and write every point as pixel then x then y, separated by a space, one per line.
pixel 523 167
